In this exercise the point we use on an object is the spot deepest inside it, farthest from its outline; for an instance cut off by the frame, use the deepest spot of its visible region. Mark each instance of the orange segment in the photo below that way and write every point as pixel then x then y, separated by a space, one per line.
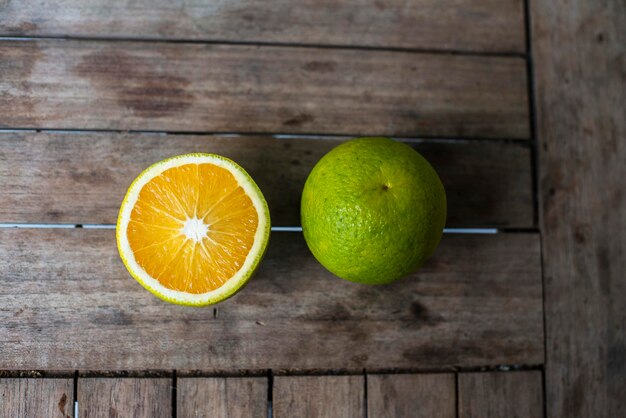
pixel 192 226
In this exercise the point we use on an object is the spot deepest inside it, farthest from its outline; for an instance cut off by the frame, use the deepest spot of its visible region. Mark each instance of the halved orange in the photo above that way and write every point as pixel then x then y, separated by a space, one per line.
pixel 192 229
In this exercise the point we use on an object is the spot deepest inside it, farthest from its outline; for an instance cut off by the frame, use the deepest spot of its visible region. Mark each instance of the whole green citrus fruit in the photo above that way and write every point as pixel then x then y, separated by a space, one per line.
pixel 373 210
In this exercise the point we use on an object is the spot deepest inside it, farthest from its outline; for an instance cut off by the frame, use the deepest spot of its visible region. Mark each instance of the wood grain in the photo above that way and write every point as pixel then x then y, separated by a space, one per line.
pixel 319 396
pixel 69 303
pixel 81 178
pixel 232 397
pixel 158 86
pixel 411 396
pixel 125 397
pixel 479 25
pixel 25 397
pixel 501 394
pixel 581 127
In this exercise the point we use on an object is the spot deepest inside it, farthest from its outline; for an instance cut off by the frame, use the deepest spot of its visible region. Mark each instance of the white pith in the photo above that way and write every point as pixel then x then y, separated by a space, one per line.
pixel 192 230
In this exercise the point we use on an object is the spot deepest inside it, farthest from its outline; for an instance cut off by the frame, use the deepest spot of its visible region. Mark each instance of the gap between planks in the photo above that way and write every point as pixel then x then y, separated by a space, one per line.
pixel 478 231
pixel 487 231
pixel 275 135
pixel 154 374
pixel 441 51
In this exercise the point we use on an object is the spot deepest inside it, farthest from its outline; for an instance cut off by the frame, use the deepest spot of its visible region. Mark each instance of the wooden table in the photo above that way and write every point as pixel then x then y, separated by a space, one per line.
pixel 520 107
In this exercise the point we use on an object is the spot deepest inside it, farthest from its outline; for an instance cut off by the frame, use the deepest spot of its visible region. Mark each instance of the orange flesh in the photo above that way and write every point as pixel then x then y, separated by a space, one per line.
pixel 205 261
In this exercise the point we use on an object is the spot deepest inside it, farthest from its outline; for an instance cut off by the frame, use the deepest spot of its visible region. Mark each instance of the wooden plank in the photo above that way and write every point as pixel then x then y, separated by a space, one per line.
pixel 319 396
pixel 67 302
pixel 240 88
pixel 501 394
pixel 581 129
pixel 81 178
pixel 231 397
pixel 411 395
pixel 26 397
pixel 479 25
pixel 124 397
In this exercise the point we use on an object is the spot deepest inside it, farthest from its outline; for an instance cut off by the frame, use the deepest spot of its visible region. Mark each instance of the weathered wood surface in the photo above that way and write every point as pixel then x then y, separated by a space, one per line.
pixel 500 394
pixel 319 396
pixel 239 88
pixel 216 397
pixel 68 303
pixel 472 25
pixel 81 178
pixel 581 128
pixel 26 397
pixel 124 397
pixel 411 396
